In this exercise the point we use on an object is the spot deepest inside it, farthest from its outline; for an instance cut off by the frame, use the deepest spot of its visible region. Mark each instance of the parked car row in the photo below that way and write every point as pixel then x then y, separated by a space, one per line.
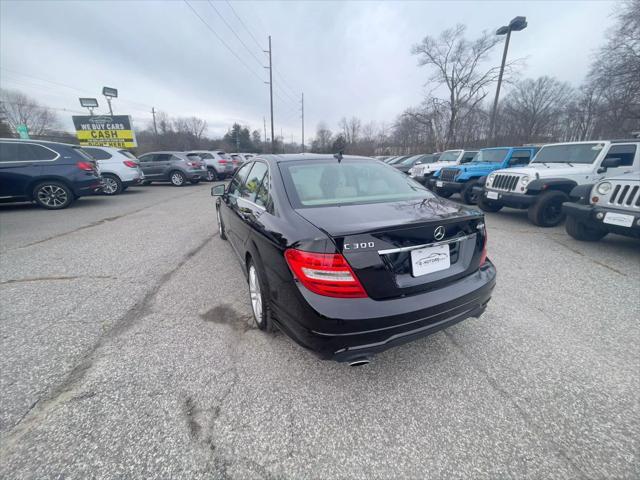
pixel 54 175
pixel 594 184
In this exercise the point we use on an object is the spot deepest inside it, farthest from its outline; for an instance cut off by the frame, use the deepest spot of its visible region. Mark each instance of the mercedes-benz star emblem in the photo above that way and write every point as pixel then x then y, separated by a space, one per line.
pixel 438 233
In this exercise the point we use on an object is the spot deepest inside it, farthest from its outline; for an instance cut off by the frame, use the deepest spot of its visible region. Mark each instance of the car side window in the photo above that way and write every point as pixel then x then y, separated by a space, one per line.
pixel 254 180
pixel 97 153
pixel 626 153
pixel 146 158
pixel 238 180
pixel 467 157
pixel 520 157
pixel 8 152
pixel 263 198
pixel 162 157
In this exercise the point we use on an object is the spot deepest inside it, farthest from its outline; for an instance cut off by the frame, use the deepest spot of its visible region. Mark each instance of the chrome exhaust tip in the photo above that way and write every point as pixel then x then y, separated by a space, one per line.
pixel 358 362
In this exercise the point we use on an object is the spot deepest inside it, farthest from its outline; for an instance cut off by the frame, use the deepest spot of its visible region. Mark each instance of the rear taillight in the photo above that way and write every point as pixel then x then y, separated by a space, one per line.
pixel 326 274
pixel 130 164
pixel 222 161
pixel 483 255
pixel 86 166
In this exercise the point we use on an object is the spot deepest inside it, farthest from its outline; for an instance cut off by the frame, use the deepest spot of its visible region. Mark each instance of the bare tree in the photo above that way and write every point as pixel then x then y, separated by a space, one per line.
pixel 457 64
pixel 532 109
pixel 19 109
pixel 324 139
pixel 350 129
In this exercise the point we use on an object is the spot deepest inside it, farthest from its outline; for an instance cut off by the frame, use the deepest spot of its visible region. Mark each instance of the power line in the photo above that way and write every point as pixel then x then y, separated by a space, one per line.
pixel 223 42
pixel 234 32
pixel 244 25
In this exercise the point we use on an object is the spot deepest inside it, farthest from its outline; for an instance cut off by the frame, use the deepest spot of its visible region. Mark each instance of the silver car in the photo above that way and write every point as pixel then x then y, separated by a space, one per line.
pixel 174 167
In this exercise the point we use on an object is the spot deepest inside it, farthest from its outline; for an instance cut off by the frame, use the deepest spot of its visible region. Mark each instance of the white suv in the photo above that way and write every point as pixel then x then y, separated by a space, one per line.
pixel 219 165
pixel 422 172
pixel 545 184
pixel 118 168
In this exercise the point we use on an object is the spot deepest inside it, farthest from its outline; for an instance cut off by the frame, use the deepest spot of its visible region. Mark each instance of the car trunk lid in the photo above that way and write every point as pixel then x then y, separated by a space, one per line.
pixel 378 240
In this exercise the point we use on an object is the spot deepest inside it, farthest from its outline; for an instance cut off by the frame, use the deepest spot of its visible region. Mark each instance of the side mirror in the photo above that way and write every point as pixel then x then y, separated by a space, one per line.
pixel 218 190
pixel 609 163
pixel 418 163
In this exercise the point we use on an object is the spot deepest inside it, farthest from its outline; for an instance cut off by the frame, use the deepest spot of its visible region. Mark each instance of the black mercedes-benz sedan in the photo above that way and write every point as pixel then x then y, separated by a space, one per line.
pixel 350 257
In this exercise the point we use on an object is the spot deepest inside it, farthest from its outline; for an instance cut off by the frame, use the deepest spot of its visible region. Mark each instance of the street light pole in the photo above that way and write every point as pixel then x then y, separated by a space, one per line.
pixel 515 25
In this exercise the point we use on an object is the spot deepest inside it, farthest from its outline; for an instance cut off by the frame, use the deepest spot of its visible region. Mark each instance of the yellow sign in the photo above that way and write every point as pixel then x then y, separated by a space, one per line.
pixel 105 131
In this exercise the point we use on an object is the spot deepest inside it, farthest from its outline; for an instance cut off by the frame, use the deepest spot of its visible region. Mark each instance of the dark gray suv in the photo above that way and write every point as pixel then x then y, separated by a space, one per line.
pixel 174 167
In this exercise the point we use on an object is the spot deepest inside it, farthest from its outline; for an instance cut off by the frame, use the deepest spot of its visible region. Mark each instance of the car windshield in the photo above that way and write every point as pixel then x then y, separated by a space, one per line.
pixel 313 183
pixel 576 153
pixel 409 160
pixel 450 156
pixel 490 156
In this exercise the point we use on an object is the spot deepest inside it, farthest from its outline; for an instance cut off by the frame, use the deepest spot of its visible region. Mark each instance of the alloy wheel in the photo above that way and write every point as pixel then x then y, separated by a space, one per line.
pixel 210 175
pixel 256 296
pixel 52 195
pixel 110 185
pixel 553 212
pixel 177 179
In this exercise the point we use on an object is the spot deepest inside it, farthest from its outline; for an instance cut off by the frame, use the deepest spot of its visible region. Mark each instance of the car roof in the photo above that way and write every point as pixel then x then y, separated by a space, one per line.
pixel 165 151
pixel 43 142
pixel 310 156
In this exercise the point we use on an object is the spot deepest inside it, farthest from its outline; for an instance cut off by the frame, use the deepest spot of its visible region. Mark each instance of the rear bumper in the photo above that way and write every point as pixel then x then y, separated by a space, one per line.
pixel 195 174
pixel 588 214
pixel 347 329
pixel 88 187
pixel 509 199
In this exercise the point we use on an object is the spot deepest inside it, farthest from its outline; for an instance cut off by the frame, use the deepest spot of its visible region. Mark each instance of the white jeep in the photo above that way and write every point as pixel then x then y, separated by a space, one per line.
pixel 423 171
pixel 545 184
pixel 610 206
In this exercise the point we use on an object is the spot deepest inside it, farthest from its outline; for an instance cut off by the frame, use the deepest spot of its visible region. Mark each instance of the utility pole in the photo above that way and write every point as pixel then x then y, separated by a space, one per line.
pixel 264 124
pixel 270 67
pixel 153 112
pixel 302 122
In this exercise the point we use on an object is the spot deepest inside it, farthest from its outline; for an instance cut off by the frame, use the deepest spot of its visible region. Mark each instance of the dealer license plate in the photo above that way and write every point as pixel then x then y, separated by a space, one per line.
pixel 492 195
pixel 618 219
pixel 430 259
pixel 439 183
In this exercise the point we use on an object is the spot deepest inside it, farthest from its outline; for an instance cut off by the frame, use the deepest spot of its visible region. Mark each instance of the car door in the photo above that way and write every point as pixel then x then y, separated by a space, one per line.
pixel 249 208
pixel 627 153
pixel 520 158
pixel 161 165
pixel 20 163
pixel 147 165
pixel 231 215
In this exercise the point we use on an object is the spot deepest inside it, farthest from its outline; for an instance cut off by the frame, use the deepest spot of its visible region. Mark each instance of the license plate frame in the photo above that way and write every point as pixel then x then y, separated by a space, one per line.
pixel 619 219
pixel 430 260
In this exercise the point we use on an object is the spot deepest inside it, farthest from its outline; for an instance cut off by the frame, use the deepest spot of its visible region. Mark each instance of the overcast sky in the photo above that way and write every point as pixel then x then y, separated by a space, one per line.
pixel 349 58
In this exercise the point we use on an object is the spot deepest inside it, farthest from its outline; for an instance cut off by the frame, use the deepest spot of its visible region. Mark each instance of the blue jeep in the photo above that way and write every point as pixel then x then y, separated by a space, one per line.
pixel 462 178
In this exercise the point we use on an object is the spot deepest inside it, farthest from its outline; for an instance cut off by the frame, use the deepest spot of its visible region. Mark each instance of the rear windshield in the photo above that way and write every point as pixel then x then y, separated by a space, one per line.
pixel 314 183
pixel 128 154
pixel 450 156
pixel 580 153
pixel 491 156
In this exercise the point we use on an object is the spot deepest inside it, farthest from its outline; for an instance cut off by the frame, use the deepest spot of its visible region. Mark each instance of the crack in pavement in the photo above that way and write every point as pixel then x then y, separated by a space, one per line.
pixel 65 390
pixel 589 258
pixel 48 279
pixel 99 222
pixel 539 431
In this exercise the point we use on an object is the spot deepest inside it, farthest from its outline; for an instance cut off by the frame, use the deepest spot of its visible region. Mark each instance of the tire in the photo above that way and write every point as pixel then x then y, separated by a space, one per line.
pixel 583 232
pixel 53 195
pixel 488 205
pixel 547 211
pixel 443 193
pixel 467 194
pixel 259 302
pixel 177 178
pixel 124 187
pixel 212 175
pixel 194 182
pixel 221 231
pixel 112 184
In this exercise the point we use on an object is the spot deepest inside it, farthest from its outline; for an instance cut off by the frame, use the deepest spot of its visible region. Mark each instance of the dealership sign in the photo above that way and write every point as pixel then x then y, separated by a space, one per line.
pixel 105 130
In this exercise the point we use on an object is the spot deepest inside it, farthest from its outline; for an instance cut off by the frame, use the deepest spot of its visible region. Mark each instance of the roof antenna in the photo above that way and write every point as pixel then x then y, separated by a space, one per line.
pixel 338 156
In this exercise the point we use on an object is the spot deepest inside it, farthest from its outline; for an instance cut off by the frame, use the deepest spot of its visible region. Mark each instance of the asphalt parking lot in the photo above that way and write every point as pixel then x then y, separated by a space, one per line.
pixel 127 351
